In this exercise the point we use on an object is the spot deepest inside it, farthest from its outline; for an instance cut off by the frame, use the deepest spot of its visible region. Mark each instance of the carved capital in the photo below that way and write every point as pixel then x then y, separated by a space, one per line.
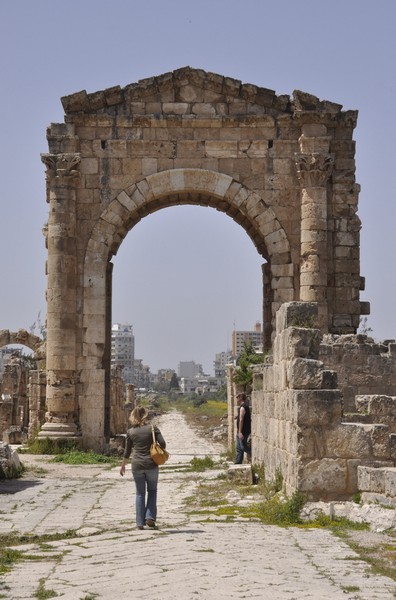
pixel 61 166
pixel 313 170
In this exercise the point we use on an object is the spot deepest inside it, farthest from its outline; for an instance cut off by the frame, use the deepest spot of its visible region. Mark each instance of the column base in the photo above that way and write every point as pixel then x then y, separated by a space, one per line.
pixel 59 431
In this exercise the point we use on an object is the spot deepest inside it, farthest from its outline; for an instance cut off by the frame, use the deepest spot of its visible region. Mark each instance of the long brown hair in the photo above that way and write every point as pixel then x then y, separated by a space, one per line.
pixel 138 416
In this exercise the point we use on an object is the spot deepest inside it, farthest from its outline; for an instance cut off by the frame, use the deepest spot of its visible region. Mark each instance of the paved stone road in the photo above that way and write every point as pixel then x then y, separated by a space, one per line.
pixel 184 559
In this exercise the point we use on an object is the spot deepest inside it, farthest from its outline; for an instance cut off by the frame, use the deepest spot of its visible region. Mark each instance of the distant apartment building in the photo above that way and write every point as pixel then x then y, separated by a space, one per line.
pixel 189 369
pixel 143 379
pixel 123 350
pixel 200 385
pixel 222 359
pixel 240 338
pixel 163 376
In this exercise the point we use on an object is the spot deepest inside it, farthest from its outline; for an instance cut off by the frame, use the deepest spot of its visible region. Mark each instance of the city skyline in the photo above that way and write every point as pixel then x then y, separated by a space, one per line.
pixel 184 275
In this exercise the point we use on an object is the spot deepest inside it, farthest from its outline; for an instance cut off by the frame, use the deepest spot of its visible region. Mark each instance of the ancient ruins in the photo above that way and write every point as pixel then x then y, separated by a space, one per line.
pixel 284 169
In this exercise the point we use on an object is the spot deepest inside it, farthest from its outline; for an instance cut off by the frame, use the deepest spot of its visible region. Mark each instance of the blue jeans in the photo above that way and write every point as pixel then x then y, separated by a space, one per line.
pixel 241 447
pixel 146 479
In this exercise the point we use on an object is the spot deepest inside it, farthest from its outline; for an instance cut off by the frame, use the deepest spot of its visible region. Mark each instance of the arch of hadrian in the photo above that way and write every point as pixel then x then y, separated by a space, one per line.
pixel 282 167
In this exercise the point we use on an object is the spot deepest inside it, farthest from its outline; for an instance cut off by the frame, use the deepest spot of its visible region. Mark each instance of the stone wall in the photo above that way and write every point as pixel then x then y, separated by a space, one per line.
pixel 298 427
pixel 36 392
pixel 119 412
pixel 363 366
pixel 14 406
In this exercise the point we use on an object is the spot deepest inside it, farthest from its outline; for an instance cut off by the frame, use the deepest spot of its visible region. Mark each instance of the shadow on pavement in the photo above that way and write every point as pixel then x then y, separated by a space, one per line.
pixel 17 485
pixel 190 531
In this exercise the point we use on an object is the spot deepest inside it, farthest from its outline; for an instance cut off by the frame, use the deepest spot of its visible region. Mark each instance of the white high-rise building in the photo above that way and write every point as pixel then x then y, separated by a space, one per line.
pixel 123 350
pixel 240 338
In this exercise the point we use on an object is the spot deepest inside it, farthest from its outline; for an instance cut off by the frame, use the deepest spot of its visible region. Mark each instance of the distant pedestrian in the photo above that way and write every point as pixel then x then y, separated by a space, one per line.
pixel 243 428
pixel 144 470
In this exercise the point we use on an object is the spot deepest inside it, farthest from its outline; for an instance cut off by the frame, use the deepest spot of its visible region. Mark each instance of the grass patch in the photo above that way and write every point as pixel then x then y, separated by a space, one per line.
pixel 80 457
pixel 209 413
pixel 279 510
pixel 8 557
pixel 338 523
pixel 201 464
pixel 42 593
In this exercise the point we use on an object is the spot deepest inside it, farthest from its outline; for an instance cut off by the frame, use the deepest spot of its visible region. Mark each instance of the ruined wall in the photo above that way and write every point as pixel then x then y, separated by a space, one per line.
pixel 14 406
pixel 363 366
pixel 36 392
pixel 298 426
pixel 118 411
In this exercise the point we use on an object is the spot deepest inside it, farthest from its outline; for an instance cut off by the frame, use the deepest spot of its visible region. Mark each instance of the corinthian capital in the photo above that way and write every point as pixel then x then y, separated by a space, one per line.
pixel 61 166
pixel 313 170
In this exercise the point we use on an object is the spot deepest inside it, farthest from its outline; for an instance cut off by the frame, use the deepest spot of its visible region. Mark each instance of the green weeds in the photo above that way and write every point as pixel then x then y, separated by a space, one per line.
pixel 201 464
pixel 48 446
pixel 42 593
pixel 79 457
pixel 279 510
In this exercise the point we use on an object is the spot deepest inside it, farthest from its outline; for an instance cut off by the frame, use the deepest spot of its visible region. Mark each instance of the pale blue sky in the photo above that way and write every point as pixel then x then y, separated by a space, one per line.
pixel 184 276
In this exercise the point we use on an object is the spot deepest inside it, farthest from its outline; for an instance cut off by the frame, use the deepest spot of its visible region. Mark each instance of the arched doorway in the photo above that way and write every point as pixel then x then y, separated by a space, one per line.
pixel 186 187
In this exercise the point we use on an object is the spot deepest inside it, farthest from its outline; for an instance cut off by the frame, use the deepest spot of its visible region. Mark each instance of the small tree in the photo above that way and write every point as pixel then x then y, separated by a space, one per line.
pixel 244 372
pixel 38 327
pixel 174 382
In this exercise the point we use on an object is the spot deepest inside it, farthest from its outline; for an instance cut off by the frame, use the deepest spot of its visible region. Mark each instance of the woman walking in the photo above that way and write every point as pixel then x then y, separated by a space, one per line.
pixel 144 470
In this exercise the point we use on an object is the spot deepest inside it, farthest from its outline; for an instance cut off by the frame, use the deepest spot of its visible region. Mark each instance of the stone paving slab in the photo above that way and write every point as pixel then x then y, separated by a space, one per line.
pixel 184 558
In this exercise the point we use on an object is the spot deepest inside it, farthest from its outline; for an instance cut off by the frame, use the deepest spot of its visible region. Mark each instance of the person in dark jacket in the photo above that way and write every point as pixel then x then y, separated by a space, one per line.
pixel 144 470
pixel 244 427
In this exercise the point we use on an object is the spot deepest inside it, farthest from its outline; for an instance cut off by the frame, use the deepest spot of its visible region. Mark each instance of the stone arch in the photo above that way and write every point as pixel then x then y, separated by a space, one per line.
pixel 191 186
pixel 282 167
pixel 22 337
pixel 154 192
pixel 197 187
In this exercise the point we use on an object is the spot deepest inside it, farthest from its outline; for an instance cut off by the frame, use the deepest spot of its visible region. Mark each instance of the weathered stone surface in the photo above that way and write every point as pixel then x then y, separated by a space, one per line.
pixel 300 419
pixel 241 474
pixel 10 465
pixel 305 374
pixel 326 478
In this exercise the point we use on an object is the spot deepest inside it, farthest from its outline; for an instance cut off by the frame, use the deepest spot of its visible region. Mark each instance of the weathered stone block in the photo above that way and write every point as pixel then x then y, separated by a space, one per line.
pixel 390 482
pixel 363 478
pixel 296 314
pixel 325 479
pixel 318 408
pixel 241 474
pixel 329 380
pixel 10 465
pixel 304 374
pixel 300 342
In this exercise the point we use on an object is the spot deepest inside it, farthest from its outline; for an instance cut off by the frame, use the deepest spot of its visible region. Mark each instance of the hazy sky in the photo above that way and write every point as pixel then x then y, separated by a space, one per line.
pixel 184 277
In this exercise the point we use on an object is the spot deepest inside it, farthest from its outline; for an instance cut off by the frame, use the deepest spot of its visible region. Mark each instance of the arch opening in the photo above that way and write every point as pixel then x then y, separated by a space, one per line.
pixel 199 261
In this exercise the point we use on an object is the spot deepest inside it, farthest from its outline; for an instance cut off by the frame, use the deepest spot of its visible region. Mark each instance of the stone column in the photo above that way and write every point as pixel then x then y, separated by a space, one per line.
pixel 314 167
pixel 61 415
